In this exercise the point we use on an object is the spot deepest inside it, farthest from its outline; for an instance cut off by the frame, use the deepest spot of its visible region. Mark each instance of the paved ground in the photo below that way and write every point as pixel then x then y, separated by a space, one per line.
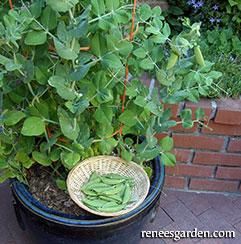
pixel 178 211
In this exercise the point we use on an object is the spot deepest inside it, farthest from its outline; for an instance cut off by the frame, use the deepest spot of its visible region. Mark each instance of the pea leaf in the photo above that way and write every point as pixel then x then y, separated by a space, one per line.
pixel 64 51
pixel 186 116
pixel 77 107
pixel 151 140
pixel 62 5
pixel 35 38
pixel 98 7
pixel 149 171
pixel 104 114
pixel 199 113
pixel 140 52
pixel 80 72
pixel 168 159
pixel 70 159
pixel 13 117
pixel 59 83
pixel 149 154
pixel 112 61
pixel 61 184
pixel 128 118
pixel 147 64
pixel 68 125
pixel 145 12
pixel 49 18
pixel 106 146
pixel 23 158
pixel 33 126
pixel 166 144
pixel 112 4
pixel 104 96
pixel 126 155
pixel 80 26
pixel 41 158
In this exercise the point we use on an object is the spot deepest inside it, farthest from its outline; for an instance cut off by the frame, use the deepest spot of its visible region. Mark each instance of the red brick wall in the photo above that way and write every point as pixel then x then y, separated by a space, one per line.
pixel 162 3
pixel 208 160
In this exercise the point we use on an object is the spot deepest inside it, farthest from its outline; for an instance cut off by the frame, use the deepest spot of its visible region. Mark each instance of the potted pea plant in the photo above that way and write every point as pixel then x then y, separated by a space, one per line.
pixel 71 88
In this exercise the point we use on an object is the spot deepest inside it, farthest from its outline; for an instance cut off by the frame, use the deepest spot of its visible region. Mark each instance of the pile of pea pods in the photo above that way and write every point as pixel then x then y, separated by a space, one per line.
pixel 108 193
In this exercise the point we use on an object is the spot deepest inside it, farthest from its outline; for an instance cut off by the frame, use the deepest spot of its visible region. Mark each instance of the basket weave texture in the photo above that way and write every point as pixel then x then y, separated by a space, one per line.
pixel 80 174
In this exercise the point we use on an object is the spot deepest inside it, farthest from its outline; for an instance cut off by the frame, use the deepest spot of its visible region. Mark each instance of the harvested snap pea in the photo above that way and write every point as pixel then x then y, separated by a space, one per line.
pixel 94 186
pixel 113 209
pixel 94 176
pixel 107 193
pixel 127 194
pixel 89 192
pixel 110 205
pixel 114 190
pixel 98 203
pixel 90 184
pixel 116 176
pixel 115 198
pixel 110 181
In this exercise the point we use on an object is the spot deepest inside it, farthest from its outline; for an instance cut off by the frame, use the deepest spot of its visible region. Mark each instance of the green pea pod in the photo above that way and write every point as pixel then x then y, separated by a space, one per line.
pixel 113 209
pixel 110 205
pixel 112 198
pixel 116 176
pixel 93 186
pixel 110 181
pixel 102 190
pixel 98 203
pixel 114 190
pixel 172 60
pixel 199 56
pixel 127 194
pixel 94 176
pixel 89 192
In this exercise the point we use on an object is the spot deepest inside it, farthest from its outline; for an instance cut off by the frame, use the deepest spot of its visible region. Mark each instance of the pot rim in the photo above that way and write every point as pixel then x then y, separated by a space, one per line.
pixel 23 195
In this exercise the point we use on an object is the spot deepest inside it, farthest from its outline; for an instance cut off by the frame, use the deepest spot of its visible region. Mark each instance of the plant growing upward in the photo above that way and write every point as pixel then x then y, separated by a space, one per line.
pixel 70 78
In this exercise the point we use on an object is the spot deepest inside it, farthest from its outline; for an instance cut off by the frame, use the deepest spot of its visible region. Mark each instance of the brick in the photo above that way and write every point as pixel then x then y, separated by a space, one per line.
pixel 213 185
pixel 206 105
pixel 229 112
pixel 183 155
pixel 198 142
pixel 174 109
pixel 233 173
pixel 175 182
pixel 213 158
pixel 153 3
pixel 234 145
pixel 190 170
pixel 221 129
pixel 161 135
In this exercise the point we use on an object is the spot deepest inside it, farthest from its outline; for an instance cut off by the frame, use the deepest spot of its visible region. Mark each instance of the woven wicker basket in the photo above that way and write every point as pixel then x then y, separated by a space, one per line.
pixel 104 165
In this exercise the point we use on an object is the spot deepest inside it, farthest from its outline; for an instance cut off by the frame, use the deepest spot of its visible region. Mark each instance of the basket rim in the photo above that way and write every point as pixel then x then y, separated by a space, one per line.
pixel 117 160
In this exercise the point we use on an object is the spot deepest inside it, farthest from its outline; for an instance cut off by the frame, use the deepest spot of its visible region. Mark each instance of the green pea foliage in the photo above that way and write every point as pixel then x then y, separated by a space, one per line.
pixel 62 69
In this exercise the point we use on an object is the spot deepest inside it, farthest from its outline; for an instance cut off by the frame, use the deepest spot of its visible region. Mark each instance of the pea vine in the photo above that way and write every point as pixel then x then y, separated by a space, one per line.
pixel 71 83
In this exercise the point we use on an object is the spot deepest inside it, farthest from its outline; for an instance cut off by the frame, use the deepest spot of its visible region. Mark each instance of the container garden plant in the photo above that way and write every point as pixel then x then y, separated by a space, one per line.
pixel 71 88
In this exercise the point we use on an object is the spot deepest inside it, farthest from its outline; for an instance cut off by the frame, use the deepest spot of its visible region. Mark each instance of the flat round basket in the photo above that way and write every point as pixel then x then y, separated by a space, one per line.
pixel 80 174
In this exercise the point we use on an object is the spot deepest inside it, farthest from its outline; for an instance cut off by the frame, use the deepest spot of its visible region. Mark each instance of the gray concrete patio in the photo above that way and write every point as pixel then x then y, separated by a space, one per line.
pixel 177 211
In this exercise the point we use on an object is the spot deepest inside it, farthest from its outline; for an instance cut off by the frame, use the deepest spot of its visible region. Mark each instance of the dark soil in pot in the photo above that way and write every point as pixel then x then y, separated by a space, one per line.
pixel 44 189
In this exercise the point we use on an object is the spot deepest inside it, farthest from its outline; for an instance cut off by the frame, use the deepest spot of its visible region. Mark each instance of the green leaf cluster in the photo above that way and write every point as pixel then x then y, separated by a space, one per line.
pixel 62 72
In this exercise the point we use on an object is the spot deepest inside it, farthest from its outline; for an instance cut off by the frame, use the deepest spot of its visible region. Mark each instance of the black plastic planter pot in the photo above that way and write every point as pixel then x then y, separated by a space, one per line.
pixel 48 226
